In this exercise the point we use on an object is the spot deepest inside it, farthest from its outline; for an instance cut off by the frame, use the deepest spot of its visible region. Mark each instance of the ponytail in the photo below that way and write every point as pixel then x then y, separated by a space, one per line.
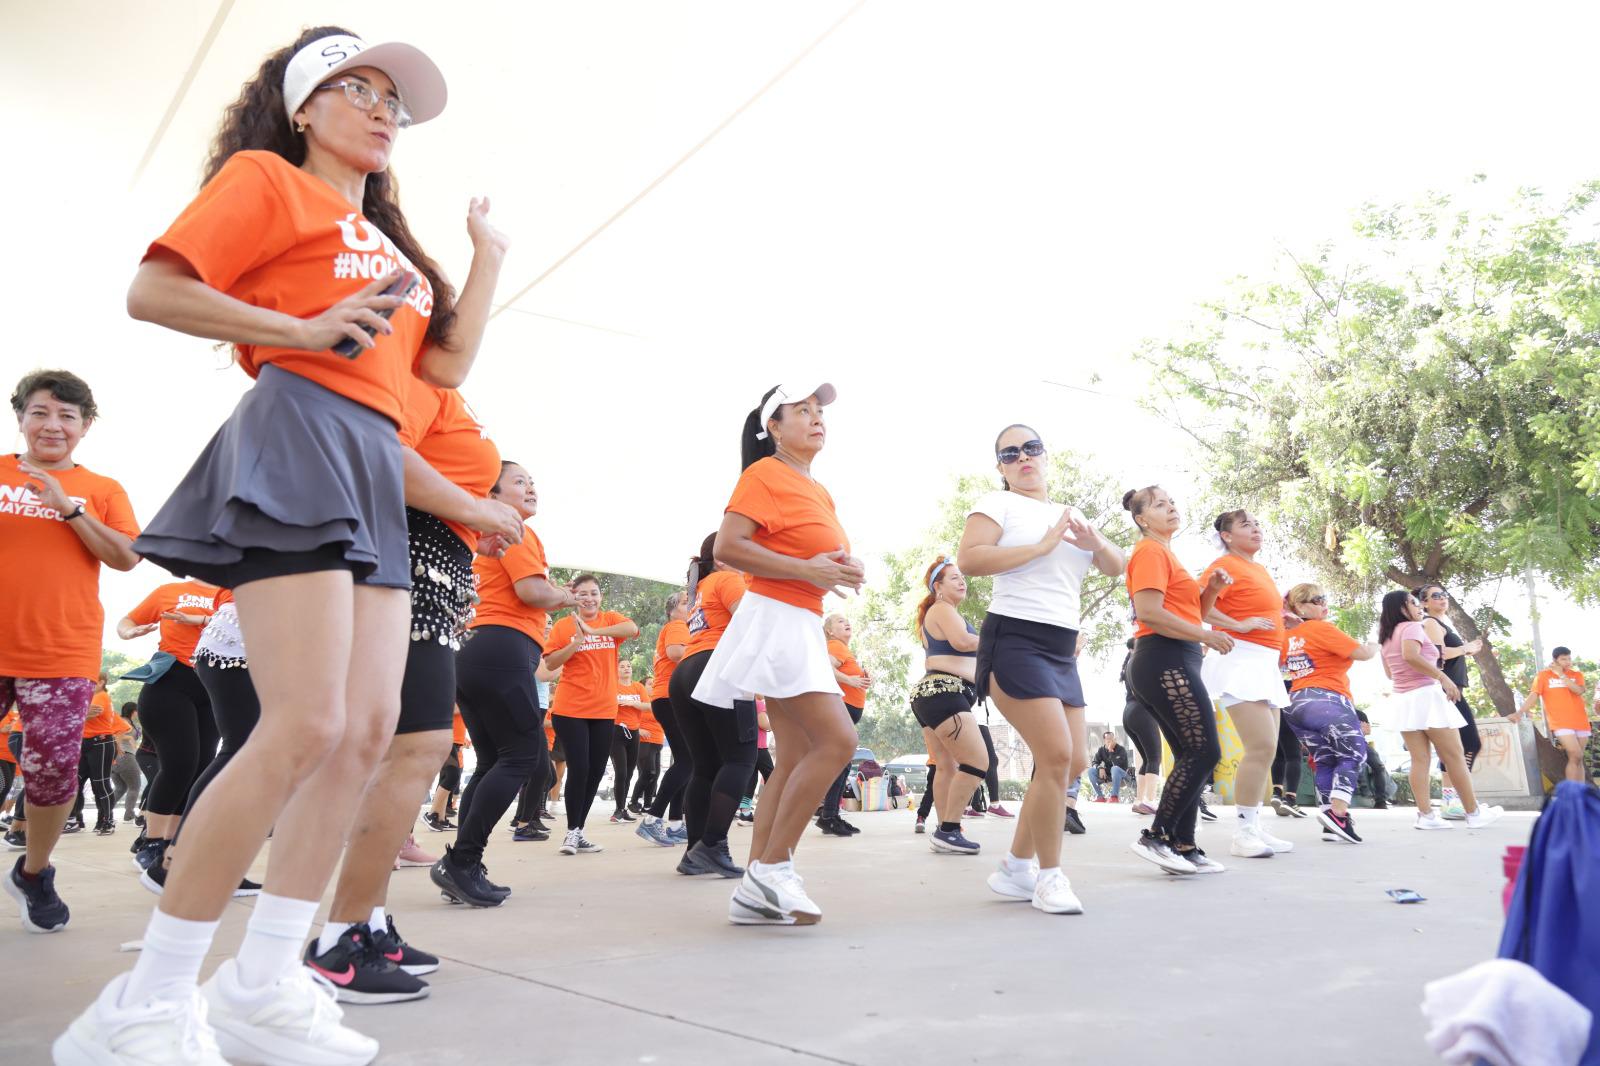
pixel 703 565
pixel 755 443
pixel 929 578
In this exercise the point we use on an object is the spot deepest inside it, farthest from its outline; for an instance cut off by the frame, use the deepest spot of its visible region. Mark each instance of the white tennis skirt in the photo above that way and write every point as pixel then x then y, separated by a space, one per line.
pixel 1247 674
pixel 770 648
pixel 1421 708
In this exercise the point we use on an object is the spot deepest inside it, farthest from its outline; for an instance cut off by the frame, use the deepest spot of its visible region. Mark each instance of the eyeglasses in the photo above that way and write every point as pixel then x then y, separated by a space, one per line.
pixel 1435 595
pixel 365 98
pixel 1032 449
pixel 1320 601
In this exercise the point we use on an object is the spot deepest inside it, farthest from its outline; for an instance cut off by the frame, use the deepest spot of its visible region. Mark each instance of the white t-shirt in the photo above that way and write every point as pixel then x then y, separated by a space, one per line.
pixel 1045 590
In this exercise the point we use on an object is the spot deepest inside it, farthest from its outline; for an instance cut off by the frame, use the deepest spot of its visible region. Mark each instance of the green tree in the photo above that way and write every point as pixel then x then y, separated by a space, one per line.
pixel 1420 404
pixel 885 616
pixel 116 663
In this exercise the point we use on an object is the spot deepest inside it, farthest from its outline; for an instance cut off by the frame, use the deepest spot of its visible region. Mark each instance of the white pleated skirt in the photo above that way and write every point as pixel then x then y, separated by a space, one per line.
pixel 1421 708
pixel 770 649
pixel 1247 674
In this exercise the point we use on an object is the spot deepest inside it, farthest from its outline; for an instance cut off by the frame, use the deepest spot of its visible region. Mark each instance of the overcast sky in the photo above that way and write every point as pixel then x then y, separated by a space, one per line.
pixel 940 208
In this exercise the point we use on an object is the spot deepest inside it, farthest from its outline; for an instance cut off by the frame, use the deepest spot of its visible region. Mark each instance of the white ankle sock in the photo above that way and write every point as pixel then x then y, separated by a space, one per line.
pixel 1248 815
pixel 273 938
pixel 675 825
pixel 1014 863
pixel 1044 873
pixel 379 919
pixel 169 963
pixel 331 932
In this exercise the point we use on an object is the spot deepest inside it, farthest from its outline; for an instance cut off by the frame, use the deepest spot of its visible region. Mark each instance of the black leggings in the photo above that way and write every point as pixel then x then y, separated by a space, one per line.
pixel 8 774
pixel 722 744
pixel 1145 734
pixel 236 709
pixel 500 706
pixel 624 757
pixel 992 778
pixel 1471 743
pixel 177 717
pixel 762 771
pixel 588 742
pixel 1287 762
pixel 149 766
pixel 669 794
pixel 926 806
pixel 649 772
pixel 94 766
pixel 1165 674
pixel 830 803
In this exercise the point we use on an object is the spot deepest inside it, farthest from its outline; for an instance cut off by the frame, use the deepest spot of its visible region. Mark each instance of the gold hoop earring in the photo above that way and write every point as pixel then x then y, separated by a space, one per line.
pixel 299 127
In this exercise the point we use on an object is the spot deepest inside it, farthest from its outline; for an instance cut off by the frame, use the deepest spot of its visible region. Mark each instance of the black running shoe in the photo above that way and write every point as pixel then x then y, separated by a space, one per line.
pixel 524 833
pixel 1336 828
pixel 247 887
pixel 104 829
pixel 42 909
pixel 849 830
pixel 1206 814
pixel 464 884
pixel 359 973
pixel 140 842
pixel 154 877
pixel 393 947
pixel 833 826
pixel 17 840
pixel 1074 824
pixel 437 823
pixel 715 859
pixel 500 890
pixel 151 854
pixel 72 826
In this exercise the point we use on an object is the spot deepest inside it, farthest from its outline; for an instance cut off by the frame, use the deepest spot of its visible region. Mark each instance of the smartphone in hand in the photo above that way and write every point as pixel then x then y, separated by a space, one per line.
pixel 401 287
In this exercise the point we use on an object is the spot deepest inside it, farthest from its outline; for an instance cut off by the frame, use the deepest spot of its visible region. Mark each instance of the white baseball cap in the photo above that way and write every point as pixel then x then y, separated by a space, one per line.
pixel 825 394
pixel 416 78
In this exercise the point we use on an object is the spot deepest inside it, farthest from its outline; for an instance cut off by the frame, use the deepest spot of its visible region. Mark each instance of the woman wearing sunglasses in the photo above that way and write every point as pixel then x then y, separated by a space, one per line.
pixel 1038 553
pixel 1453 652
pixel 1317 655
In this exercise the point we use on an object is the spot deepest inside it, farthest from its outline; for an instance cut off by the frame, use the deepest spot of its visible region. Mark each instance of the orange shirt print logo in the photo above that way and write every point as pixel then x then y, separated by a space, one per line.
pixel 1298 661
pixel 373 255
pixel 18 500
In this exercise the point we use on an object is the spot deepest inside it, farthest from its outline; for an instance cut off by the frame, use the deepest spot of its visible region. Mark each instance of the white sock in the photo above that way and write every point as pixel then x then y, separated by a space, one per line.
pixel 675 825
pixel 273 938
pixel 331 932
pixel 1044 873
pixel 1248 814
pixel 379 919
pixel 1014 863
pixel 650 819
pixel 169 963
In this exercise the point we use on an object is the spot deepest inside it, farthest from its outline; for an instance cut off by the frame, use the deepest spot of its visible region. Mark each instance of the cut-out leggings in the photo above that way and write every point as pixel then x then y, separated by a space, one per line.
pixel 1165 674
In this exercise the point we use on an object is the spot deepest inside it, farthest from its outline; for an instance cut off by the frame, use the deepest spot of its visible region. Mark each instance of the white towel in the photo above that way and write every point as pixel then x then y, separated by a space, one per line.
pixel 1506 1014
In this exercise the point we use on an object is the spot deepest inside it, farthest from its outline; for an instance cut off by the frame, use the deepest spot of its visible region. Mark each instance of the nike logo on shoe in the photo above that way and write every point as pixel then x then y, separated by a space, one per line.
pixel 394 956
pixel 340 979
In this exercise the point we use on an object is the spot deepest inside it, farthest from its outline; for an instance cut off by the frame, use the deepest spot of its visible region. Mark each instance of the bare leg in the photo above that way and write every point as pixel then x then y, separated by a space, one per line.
pixel 829 741
pixel 962 744
pixel 1573 746
pixel 1043 725
pixel 1421 759
pixel 1257 725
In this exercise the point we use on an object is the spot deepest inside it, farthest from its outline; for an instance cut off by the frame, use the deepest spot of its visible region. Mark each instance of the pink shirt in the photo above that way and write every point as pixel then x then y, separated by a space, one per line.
pixel 1405 677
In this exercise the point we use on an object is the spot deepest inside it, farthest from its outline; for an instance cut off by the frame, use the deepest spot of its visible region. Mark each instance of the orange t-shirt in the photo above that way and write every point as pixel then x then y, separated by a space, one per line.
pixel 1252 595
pixel 672 633
pixel 588 687
pixel 631 699
pixel 1317 655
pixel 1563 708
pixel 270 234
pixel 442 429
pixel 103 724
pixel 853 697
pixel 498 604
pixel 1151 565
pixel 8 722
pixel 51 627
pixel 650 731
pixel 714 601
pixel 794 516
pixel 190 597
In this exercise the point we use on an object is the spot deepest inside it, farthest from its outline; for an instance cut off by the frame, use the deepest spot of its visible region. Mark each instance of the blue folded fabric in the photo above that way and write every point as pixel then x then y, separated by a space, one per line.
pixel 158 665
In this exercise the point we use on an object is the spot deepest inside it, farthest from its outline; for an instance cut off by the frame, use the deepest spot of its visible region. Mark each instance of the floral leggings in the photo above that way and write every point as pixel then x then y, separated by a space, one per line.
pixel 1327 722
pixel 52 710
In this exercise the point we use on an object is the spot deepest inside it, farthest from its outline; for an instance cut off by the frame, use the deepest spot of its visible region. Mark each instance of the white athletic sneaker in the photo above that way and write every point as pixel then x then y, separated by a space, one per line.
pixel 1484 816
pixel 775 887
pixel 1454 811
pixel 157 1031
pixel 1248 843
pixel 1053 895
pixel 294 1022
pixel 1202 863
pixel 1277 844
pixel 1015 882
pixel 1431 820
pixel 743 912
pixel 569 843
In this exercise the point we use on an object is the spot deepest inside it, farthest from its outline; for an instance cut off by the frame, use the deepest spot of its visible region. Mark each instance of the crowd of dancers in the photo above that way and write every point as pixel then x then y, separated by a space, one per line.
pixel 356 563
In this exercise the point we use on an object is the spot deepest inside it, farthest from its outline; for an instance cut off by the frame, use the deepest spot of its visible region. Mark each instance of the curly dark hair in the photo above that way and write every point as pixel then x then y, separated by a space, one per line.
pixel 256 122
pixel 63 385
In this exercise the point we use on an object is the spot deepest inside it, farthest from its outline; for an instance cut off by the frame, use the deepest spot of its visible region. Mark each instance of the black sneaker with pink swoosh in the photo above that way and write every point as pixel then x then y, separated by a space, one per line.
pixel 358 971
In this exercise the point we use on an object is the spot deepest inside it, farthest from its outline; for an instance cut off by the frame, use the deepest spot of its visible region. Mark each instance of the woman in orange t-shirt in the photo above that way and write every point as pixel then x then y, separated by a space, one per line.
pixel 584 707
pixel 631 700
pixel 297 504
pixel 59 522
pixel 1164 672
pixel 781 528
pixel 1248 681
pixel 666 799
pixel 1317 656
pixel 853 683
pixel 99 752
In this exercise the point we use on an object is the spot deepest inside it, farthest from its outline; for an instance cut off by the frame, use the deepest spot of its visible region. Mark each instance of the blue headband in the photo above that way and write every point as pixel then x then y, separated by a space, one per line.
pixel 933 578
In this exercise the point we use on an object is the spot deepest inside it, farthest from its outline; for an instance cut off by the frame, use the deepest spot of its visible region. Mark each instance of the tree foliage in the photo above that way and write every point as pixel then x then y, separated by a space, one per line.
pixel 1421 403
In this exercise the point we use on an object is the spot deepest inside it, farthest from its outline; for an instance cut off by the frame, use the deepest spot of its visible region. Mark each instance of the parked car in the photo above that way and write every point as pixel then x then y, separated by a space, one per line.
pixel 912 769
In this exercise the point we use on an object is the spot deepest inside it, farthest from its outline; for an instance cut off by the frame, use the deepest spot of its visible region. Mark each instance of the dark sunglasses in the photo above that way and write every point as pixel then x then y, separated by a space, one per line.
pixel 1032 449
pixel 1320 601
pixel 1435 595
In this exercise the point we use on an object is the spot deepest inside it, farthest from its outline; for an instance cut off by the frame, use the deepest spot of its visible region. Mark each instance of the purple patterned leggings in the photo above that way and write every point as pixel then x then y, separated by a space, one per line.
pixel 52 710
pixel 1327 722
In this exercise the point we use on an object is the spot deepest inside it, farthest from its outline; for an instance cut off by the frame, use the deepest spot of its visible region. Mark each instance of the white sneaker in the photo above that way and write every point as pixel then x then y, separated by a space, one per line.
pixel 1277 844
pixel 569 843
pixel 741 912
pixel 156 1031
pixel 1454 811
pixel 1248 844
pixel 584 844
pixel 1202 863
pixel 1484 816
pixel 1053 895
pixel 776 888
pixel 1015 882
pixel 1431 820
pixel 293 1022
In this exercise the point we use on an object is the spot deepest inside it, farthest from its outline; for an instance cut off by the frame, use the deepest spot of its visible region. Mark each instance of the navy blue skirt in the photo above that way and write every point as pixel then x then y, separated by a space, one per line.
pixel 1030 660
